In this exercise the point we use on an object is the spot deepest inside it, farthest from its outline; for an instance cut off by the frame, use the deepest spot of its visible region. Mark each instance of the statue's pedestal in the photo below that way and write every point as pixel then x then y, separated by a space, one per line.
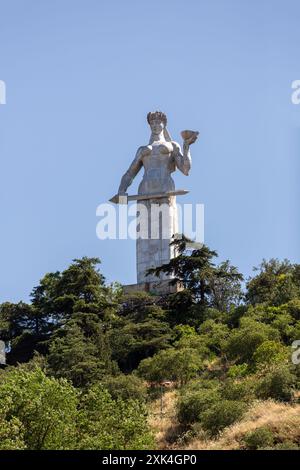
pixel 156 288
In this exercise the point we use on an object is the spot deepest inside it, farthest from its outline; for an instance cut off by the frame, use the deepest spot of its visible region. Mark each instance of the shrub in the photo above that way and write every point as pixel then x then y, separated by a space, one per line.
pixel 222 414
pixel 277 383
pixel 215 335
pixel 238 390
pixel 295 332
pixel 238 370
pixel 259 438
pixel 270 352
pixel 244 341
pixel 171 364
pixel 190 407
pixel 11 431
pixel 40 410
pixel 283 322
pixel 200 383
pixel 193 341
pixel 195 431
pixel 107 424
pixel 293 308
pixel 125 387
pixel 285 445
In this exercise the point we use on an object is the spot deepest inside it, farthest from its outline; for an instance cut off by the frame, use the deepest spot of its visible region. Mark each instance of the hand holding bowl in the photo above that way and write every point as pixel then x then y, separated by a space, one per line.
pixel 189 137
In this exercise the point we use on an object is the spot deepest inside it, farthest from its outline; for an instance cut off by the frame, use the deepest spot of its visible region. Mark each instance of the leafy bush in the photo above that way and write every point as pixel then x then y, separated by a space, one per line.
pixel 238 370
pixel 105 423
pixel 198 384
pixel 39 412
pixel 171 364
pixel 242 390
pixel 293 308
pixel 195 431
pixel 277 383
pixel 222 414
pixel 125 387
pixel 286 445
pixel 270 352
pixel 191 406
pixel 244 341
pixel 40 409
pixel 215 335
pixel 87 332
pixel 259 438
pixel 284 324
pixel 11 431
pixel 276 283
pixel 188 338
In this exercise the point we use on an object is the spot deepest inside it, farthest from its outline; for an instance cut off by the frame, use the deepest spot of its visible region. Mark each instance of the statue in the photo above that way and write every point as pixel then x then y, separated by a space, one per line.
pixel 160 158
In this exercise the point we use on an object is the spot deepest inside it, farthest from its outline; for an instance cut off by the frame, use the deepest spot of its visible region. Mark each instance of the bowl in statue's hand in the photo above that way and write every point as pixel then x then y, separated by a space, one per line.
pixel 190 136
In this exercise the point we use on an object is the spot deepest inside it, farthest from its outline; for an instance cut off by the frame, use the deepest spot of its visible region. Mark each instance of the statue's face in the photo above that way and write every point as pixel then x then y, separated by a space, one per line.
pixel 156 126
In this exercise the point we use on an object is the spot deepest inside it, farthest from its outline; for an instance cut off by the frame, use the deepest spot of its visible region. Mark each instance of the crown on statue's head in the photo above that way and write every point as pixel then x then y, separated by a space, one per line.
pixel 157 115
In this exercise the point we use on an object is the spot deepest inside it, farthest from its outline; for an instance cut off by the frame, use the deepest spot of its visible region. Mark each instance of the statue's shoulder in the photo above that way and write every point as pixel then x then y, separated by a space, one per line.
pixel 143 150
pixel 175 145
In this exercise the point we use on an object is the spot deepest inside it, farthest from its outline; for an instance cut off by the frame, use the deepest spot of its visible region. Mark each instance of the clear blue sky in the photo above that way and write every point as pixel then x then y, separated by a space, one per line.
pixel 81 76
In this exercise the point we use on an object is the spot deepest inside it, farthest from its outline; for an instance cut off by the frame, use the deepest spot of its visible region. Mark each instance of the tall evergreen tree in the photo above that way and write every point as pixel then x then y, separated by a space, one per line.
pixel 207 284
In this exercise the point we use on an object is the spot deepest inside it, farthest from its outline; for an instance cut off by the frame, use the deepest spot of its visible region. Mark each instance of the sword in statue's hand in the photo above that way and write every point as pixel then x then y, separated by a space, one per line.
pixel 124 198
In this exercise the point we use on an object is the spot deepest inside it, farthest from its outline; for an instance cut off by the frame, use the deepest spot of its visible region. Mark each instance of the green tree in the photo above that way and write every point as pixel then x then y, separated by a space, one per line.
pixel 132 341
pixel 225 287
pixel 222 414
pixel 80 352
pixel 293 308
pixel 58 294
pixel 271 352
pixel 173 365
pixel 108 424
pixel 40 411
pixel 260 438
pixel 278 382
pixel 193 270
pixel 23 328
pixel 192 404
pixel 276 283
pixel 215 335
pixel 243 341
pixel 218 287
pixel 79 289
pixel 187 337
pixel 125 387
pixel 11 430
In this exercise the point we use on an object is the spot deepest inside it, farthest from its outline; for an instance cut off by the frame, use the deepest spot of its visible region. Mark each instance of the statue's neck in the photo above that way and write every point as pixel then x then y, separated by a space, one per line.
pixel 157 137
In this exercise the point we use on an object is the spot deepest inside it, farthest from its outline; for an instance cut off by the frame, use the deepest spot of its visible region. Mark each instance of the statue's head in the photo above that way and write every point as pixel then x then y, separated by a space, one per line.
pixel 157 121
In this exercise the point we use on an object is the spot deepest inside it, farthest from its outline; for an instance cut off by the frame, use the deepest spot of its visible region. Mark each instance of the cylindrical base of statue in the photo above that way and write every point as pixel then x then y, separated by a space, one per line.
pixel 157 223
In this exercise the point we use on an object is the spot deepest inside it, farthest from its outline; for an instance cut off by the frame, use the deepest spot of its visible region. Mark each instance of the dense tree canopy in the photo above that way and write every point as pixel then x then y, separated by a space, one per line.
pixel 85 360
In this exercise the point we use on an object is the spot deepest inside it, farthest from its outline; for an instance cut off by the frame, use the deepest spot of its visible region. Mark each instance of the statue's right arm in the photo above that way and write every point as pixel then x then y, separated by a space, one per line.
pixel 132 171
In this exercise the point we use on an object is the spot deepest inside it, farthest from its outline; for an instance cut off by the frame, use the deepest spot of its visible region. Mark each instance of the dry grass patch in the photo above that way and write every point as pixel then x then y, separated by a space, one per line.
pixel 282 419
pixel 164 424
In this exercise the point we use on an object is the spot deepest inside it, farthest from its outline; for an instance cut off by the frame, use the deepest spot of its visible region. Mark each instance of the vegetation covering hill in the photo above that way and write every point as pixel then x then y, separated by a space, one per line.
pixel 208 367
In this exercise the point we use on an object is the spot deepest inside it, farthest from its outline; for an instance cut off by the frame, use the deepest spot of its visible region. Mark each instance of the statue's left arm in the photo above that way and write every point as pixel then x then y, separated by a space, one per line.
pixel 183 159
